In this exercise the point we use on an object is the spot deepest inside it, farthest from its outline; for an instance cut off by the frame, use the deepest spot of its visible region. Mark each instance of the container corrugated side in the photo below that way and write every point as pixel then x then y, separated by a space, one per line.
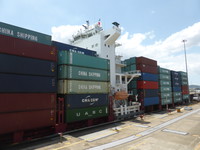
pixel 186 97
pixel 82 73
pixel 147 68
pixel 27 84
pixel 62 46
pixel 176 94
pixel 148 77
pixel 164 83
pixel 14 46
pixel 85 100
pixel 177 99
pixel 165 101
pixel 29 66
pixel 165 89
pixel 165 95
pixel 73 115
pixel 147 93
pixel 164 71
pixel 176 89
pixel 147 85
pixel 151 101
pixel 70 58
pixel 82 87
pixel 148 61
pixel 27 120
pixel 25 34
pixel 165 77
pixel 15 102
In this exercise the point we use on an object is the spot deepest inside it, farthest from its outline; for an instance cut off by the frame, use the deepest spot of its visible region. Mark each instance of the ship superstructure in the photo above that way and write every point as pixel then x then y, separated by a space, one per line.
pixel 104 43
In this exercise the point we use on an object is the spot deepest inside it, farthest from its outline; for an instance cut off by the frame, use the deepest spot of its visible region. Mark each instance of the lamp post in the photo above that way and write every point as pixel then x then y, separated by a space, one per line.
pixel 186 67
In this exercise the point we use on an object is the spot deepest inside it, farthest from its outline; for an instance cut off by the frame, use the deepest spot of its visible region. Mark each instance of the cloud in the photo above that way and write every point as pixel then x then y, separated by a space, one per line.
pixel 168 52
pixel 64 33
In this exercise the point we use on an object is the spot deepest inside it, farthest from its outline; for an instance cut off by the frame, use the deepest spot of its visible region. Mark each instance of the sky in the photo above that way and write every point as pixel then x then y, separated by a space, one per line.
pixel 150 28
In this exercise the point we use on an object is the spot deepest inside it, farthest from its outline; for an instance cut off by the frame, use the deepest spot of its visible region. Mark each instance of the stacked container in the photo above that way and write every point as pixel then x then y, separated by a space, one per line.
pixel 28 80
pixel 130 64
pixel 84 84
pixel 165 90
pixel 184 86
pixel 176 87
pixel 147 84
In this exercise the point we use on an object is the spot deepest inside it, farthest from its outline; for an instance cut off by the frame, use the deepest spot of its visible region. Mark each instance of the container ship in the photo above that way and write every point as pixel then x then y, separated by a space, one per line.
pixel 49 87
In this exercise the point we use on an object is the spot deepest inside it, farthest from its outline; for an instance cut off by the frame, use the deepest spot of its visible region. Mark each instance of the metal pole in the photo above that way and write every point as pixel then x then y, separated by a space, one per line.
pixel 184 41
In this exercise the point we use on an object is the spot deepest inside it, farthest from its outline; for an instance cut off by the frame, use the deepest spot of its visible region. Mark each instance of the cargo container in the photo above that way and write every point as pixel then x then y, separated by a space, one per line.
pixel 15 102
pixel 176 89
pixel 176 94
pixel 27 84
pixel 166 101
pixel 25 34
pixel 132 84
pixel 164 83
pixel 130 61
pixel 82 73
pixel 164 71
pixel 151 101
pixel 29 66
pixel 164 77
pixel 69 58
pixel 165 89
pixel 82 87
pixel 166 95
pixel 148 77
pixel 177 99
pixel 73 115
pixel 62 46
pixel 186 97
pixel 21 121
pixel 147 93
pixel 147 68
pixel 14 46
pixel 147 85
pixel 85 100
pixel 147 61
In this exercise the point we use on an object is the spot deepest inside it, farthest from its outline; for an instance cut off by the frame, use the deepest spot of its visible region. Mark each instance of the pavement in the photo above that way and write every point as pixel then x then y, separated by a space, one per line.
pixel 156 131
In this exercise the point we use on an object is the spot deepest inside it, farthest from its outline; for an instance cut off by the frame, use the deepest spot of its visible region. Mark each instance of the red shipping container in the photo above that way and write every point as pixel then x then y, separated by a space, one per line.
pixel 185 89
pixel 147 68
pixel 21 121
pixel 14 46
pixel 13 102
pixel 147 85
pixel 147 61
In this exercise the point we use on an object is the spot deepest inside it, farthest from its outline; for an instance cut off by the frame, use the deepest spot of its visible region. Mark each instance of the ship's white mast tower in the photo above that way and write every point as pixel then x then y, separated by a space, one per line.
pixel 103 42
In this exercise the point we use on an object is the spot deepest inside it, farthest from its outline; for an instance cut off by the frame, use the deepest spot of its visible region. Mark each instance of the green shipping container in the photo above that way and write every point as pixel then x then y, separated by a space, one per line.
pixel 25 34
pixel 177 99
pixel 184 83
pixel 166 101
pixel 165 77
pixel 165 89
pixel 73 115
pixel 176 94
pixel 185 97
pixel 183 74
pixel 132 85
pixel 82 73
pixel 70 58
pixel 184 78
pixel 163 71
pixel 166 95
pixel 82 87
pixel 164 83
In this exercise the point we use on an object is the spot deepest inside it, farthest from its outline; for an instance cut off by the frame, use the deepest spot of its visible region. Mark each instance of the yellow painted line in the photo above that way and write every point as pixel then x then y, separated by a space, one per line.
pixel 135 146
pixel 68 145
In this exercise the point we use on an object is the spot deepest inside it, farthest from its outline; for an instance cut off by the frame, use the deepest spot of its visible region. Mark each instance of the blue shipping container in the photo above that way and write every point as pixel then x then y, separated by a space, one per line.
pixel 27 84
pixel 148 77
pixel 151 101
pixel 176 89
pixel 71 48
pixel 29 66
pixel 85 100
